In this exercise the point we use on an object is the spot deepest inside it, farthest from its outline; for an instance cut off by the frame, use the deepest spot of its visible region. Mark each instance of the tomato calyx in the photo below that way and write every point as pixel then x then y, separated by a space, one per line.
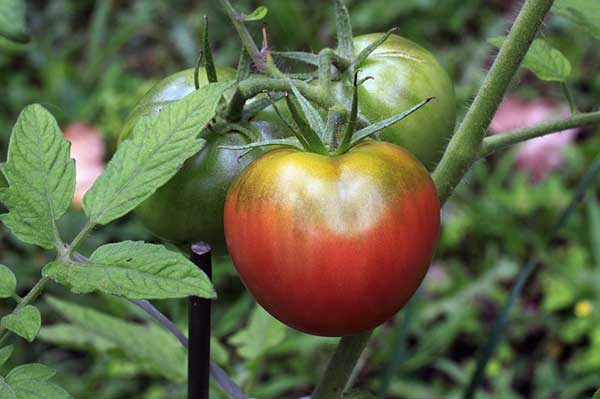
pixel 311 134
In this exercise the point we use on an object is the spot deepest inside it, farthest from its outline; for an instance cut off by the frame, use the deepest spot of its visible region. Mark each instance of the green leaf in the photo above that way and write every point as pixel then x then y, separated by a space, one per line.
pixel 74 337
pixel 33 389
pixel 41 177
pixel 158 147
pixel 596 394
pixel 259 13
pixel 262 333
pixel 135 270
pixel 5 354
pixel 8 282
pixel 33 371
pixel 546 62
pixel 150 346
pixel 25 322
pixel 6 391
pixel 12 20
pixel 583 13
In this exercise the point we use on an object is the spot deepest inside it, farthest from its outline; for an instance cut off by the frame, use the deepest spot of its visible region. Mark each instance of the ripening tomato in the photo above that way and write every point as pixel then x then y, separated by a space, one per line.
pixel 333 245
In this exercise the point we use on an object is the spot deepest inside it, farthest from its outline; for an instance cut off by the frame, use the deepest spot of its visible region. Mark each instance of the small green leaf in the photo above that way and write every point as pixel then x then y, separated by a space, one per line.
pixel 12 20
pixel 151 347
pixel 5 354
pixel 596 394
pixel 262 333
pixel 33 371
pixel 34 389
pixel 259 13
pixel 583 13
pixel 135 270
pixel 158 147
pixel 6 391
pixel 41 177
pixel 8 282
pixel 25 322
pixel 546 62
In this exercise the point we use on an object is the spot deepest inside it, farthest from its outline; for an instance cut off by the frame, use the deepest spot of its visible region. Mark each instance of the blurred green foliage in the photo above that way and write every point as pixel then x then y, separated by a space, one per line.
pixel 91 60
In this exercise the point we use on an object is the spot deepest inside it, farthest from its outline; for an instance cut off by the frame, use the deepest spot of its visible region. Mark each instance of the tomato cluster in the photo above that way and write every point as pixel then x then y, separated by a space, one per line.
pixel 330 245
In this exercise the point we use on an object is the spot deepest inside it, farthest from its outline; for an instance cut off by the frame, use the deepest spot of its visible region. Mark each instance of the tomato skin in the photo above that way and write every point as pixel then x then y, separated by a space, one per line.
pixel 333 246
pixel 405 73
pixel 189 207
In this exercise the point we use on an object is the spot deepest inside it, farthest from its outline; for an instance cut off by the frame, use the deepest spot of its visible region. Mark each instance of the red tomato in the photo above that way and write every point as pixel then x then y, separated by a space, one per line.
pixel 333 246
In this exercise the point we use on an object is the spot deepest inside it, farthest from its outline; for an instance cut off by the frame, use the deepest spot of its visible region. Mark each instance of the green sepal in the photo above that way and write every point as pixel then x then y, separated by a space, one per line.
pixel 366 52
pixel 379 126
pixel 309 139
pixel 344 30
pixel 211 72
pixel 279 142
pixel 345 144
pixel 304 57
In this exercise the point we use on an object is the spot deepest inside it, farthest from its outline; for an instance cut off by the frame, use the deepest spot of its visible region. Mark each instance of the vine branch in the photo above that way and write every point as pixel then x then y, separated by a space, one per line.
pixel 501 140
pixel 464 147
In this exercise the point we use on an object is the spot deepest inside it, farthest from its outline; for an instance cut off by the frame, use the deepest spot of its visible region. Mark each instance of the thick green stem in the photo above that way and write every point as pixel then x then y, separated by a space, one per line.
pixel 502 140
pixel 462 151
pixel 340 366
pixel 464 147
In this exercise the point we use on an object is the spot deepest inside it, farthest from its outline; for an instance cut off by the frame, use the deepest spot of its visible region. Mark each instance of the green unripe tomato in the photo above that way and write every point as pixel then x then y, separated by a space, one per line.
pixel 405 73
pixel 189 207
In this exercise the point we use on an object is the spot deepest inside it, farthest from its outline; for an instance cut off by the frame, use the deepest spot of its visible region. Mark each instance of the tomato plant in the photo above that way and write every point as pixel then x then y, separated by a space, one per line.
pixel 403 74
pixel 333 245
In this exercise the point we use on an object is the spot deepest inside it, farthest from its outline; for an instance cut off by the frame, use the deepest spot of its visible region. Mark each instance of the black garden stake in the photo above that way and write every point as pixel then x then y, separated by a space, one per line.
pixel 199 329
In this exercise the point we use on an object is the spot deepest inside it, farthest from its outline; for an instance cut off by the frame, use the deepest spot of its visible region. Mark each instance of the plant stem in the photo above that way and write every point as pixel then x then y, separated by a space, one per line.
pixel 462 151
pixel 500 140
pixel 464 147
pixel 569 97
pixel 238 23
pixel 340 366
pixel 89 226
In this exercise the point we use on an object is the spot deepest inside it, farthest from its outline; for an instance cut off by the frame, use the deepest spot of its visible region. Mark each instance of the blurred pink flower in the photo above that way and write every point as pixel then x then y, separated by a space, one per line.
pixel 541 155
pixel 87 149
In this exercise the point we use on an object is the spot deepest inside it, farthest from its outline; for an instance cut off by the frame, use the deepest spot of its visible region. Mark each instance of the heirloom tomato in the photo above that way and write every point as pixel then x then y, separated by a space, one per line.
pixel 333 245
